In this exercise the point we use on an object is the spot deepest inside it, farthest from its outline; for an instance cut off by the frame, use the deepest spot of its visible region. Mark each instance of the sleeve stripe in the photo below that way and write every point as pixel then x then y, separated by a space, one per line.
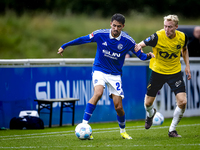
pixel 128 37
pixel 101 31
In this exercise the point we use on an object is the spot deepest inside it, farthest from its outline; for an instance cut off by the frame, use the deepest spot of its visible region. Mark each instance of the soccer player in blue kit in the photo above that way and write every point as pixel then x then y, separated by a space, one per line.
pixel 112 46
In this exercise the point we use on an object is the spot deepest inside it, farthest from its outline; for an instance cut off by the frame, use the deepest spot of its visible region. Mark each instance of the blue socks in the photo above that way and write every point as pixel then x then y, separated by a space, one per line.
pixel 121 121
pixel 88 112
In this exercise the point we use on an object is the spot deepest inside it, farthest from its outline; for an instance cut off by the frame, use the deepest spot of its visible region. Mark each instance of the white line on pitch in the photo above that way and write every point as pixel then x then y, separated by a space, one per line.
pixel 103 130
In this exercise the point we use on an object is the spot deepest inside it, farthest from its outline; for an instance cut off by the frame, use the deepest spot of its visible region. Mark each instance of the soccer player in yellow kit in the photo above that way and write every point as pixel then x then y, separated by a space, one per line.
pixel 167 45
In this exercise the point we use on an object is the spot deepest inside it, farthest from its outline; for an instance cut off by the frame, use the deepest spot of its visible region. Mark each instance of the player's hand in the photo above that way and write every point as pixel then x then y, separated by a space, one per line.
pixel 60 51
pixel 137 48
pixel 187 71
pixel 150 54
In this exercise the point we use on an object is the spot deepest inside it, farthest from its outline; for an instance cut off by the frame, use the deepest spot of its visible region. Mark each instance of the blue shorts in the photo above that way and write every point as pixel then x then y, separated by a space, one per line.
pixel 175 81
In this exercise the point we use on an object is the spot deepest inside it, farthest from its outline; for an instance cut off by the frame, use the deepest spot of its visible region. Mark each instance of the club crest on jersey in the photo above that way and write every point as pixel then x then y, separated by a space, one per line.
pixel 120 46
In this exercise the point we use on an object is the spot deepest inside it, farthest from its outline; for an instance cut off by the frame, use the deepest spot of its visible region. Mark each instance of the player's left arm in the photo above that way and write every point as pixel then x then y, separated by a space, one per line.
pixel 139 52
pixel 150 41
pixel 144 56
pixel 185 55
pixel 77 41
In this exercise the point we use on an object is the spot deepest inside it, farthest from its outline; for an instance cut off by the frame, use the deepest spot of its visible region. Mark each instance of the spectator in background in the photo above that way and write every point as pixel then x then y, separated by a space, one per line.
pixel 194 44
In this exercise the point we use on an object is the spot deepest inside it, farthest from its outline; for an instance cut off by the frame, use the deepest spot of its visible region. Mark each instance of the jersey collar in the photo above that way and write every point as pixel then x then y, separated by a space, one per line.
pixel 118 38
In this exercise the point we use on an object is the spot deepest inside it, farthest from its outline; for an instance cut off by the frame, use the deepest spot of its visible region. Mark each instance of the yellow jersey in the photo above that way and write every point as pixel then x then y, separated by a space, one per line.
pixel 167 52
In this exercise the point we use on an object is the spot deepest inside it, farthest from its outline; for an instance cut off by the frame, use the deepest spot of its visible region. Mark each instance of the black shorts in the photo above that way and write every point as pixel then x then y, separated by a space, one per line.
pixel 175 81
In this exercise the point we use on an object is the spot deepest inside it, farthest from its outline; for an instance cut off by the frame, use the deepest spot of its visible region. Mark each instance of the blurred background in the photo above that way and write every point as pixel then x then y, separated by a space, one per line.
pixel 37 28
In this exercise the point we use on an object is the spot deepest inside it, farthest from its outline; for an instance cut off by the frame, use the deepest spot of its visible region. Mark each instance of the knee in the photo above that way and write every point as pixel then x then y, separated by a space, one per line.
pixel 148 101
pixel 119 110
pixel 181 100
pixel 98 94
pixel 182 103
pixel 148 104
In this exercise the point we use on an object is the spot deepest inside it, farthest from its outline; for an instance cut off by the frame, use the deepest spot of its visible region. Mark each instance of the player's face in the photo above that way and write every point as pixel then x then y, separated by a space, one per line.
pixel 170 28
pixel 116 28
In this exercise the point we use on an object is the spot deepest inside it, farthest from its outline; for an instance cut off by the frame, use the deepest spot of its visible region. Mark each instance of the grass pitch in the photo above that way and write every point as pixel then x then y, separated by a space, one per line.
pixel 106 136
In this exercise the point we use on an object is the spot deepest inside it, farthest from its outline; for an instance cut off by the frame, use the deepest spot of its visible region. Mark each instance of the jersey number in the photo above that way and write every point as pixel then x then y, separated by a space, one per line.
pixel 118 86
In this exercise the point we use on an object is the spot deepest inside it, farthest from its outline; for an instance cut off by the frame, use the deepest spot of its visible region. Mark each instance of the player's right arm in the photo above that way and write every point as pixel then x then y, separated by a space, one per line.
pixel 150 41
pixel 142 44
pixel 139 46
pixel 60 51
pixel 78 41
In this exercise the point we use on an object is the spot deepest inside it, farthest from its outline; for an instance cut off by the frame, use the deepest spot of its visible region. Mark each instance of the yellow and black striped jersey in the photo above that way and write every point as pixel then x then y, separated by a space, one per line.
pixel 167 51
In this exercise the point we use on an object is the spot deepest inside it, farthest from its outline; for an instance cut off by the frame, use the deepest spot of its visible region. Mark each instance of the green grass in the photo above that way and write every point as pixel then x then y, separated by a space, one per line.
pixel 106 136
pixel 40 35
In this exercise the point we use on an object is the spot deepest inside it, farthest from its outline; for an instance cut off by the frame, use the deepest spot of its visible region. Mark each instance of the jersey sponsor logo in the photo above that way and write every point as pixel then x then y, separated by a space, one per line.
pixel 105 43
pixel 111 55
pixel 120 46
pixel 167 55
pixel 91 35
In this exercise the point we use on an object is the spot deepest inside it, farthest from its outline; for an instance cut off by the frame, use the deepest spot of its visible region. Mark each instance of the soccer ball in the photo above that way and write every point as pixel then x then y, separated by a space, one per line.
pixel 158 119
pixel 83 131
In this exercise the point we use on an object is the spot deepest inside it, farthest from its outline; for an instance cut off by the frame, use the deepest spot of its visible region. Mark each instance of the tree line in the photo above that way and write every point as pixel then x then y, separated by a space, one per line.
pixel 187 8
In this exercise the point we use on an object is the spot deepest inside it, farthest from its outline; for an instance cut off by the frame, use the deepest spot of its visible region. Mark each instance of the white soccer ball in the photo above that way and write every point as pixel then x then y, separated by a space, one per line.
pixel 83 131
pixel 158 119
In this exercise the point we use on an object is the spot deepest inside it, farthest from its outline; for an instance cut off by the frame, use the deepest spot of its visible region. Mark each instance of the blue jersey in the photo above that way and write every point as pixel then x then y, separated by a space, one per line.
pixel 110 54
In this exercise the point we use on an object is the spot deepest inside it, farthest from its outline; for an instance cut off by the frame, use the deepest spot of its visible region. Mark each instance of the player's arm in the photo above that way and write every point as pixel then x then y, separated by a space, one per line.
pixel 150 41
pixel 144 56
pixel 185 55
pixel 142 44
pixel 139 53
pixel 150 54
pixel 78 41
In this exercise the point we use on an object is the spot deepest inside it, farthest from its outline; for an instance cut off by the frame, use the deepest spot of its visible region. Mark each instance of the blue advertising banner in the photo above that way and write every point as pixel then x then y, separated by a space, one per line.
pixel 20 86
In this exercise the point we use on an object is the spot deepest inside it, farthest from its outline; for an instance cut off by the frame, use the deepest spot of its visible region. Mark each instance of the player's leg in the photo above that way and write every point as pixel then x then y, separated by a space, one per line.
pixel 99 84
pixel 117 100
pixel 114 85
pixel 178 86
pixel 91 105
pixel 178 114
pixel 155 84
pixel 150 111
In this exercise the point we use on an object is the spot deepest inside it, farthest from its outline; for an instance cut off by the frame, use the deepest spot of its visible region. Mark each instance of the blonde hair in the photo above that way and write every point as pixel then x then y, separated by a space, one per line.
pixel 172 18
